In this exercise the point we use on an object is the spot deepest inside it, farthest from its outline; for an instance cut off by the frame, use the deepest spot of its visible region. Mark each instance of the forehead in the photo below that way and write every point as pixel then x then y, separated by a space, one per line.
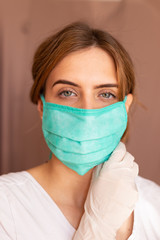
pixel 84 65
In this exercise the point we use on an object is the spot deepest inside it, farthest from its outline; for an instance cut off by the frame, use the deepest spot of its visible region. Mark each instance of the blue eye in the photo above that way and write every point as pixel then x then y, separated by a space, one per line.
pixel 108 95
pixel 66 93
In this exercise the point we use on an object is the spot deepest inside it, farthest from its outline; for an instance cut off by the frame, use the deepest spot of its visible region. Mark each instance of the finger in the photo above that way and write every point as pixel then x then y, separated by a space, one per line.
pixel 96 172
pixel 117 156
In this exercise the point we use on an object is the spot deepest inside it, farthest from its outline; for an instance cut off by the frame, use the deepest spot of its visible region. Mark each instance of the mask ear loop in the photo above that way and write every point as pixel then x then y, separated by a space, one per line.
pixel 43 100
pixel 125 99
pixel 50 155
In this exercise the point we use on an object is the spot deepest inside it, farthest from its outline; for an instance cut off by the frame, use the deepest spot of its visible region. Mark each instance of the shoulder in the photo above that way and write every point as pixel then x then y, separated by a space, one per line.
pixel 10 181
pixel 149 193
pixel 13 185
pixel 148 189
pixel 8 185
pixel 147 210
pixel 12 178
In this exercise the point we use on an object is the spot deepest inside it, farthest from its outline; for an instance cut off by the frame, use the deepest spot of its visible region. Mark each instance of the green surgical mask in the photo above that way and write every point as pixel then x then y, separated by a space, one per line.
pixel 83 138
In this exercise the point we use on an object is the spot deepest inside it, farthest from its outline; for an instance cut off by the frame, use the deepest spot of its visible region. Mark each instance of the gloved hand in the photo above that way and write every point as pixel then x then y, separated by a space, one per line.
pixel 111 197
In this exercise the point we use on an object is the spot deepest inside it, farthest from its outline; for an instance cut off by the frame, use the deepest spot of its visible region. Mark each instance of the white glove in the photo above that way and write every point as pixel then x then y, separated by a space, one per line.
pixel 111 197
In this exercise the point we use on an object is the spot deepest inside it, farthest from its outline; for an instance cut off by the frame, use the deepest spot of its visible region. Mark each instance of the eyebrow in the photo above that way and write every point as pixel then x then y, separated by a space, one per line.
pixel 76 85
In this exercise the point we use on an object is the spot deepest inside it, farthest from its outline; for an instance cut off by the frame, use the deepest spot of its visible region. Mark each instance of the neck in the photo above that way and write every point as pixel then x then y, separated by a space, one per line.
pixel 64 181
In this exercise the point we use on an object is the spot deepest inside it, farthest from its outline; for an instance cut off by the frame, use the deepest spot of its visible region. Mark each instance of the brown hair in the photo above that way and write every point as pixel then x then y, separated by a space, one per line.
pixel 74 37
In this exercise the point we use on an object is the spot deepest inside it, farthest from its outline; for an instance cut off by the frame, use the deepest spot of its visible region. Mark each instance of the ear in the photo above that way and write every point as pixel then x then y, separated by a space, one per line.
pixel 128 102
pixel 40 108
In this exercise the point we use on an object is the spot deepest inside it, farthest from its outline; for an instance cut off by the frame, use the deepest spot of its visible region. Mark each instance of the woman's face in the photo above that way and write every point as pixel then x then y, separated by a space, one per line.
pixel 83 79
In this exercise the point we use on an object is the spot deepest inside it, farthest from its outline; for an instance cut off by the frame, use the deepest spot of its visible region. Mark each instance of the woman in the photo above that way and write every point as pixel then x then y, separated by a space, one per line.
pixel 83 87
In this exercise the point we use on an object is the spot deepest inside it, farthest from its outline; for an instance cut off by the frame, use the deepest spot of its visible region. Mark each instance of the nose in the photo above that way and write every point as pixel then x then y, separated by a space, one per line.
pixel 87 103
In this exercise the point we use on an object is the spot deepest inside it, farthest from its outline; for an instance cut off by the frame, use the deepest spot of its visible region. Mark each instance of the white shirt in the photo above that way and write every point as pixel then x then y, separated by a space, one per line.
pixel 27 212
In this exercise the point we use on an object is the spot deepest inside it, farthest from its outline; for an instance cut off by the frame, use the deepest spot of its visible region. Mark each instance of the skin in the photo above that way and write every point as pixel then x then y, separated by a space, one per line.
pixel 87 68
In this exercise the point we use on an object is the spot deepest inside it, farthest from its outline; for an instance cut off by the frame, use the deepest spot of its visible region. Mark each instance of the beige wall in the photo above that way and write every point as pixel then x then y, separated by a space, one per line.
pixel 24 24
